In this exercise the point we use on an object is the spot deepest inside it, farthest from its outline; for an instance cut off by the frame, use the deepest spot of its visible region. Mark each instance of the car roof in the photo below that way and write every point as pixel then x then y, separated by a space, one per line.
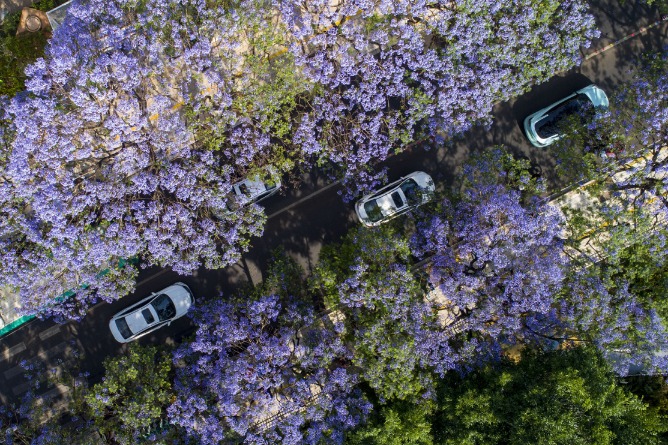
pixel 136 321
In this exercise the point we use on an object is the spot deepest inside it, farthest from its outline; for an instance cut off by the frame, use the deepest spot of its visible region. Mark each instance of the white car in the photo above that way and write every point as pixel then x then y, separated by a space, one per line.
pixel 252 190
pixel 153 312
pixel 395 199
pixel 542 127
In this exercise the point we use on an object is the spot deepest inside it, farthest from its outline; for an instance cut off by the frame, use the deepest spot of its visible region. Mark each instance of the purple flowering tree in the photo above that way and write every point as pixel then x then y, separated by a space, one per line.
pixel 110 156
pixel 394 332
pixel 497 257
pixel 390 67
pixel 398 343
pixel 619 302
pixel 262 372
pixel 635 135
pixel 142 115
pixel 597 306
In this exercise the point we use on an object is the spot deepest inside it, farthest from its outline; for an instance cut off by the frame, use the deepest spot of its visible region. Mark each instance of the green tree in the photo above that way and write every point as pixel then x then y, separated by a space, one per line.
pixel 133 395
pixel 398 423
pixel 394 333
pixel 126 405
pixel 561 397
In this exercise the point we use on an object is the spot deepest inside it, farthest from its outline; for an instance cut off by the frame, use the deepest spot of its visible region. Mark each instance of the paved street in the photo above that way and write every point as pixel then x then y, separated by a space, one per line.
pixel 302 220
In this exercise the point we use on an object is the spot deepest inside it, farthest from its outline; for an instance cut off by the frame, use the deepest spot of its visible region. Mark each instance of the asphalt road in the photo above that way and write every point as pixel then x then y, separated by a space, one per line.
pixel 303 219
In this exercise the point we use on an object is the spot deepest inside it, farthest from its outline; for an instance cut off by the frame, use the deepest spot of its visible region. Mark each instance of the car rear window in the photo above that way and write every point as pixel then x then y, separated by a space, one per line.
pixel 549 125
pixel 164 307
pixel 123 328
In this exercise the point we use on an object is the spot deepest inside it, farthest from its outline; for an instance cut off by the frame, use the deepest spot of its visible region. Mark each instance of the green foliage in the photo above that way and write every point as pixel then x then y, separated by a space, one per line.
pixel 135 392
pixel 662 5
pixel 385 349
pixel 47 5
pixel 377 247
pixel 398 423
pixel 574 165
pixel 17 52
pixel 284 277
pixel 646 269
pixel 560 397
pixel 628 240
pixel 122 408
pixel 652 389
pixel 360 277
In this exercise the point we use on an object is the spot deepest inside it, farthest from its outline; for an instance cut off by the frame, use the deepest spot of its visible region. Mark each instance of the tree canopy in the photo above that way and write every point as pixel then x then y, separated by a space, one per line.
pixel 562 397
pixel 142 115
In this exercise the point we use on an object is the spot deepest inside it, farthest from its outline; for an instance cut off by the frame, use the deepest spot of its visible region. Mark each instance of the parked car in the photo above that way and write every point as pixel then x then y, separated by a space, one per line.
pixel 543 127
pixel 153 312
pixel 252 190
pixel 395 199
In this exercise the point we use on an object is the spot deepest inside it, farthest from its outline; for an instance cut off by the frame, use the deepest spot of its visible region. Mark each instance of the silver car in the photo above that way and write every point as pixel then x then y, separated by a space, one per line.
pixel 395 199
pixel 252 190
pixel 542 127
pixel 153 312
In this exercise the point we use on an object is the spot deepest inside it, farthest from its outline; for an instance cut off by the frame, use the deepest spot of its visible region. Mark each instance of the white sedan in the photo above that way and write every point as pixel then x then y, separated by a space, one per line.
pixel 395 199
pixel 153 312
pixel 543 127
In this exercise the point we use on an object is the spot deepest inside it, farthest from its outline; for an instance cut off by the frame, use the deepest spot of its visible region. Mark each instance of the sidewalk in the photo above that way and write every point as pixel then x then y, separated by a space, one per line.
pixel 9 306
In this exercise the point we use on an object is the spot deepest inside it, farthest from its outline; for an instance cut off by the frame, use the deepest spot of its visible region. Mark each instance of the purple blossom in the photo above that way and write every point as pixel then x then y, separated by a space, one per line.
pixel 266 373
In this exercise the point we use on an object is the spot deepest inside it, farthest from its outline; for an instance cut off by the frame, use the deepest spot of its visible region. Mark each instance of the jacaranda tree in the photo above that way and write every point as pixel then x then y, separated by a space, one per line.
pixel 397 341
pixel 494 250
pixel 497 257
pixel 619 302
pixel 398 344
pixel 104 164
pixel 143 114
pixel 264 371
pixel 396 70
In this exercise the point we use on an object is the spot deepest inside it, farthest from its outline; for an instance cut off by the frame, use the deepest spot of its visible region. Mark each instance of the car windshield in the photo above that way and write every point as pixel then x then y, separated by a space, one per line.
pixel 164 307
pixel 373 210
pixel 411 191
pixel 549 125
pixel 123 327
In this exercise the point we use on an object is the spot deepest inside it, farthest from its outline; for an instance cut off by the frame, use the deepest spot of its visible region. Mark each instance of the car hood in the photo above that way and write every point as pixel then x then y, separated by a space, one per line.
pixel 180 297
pixel 596 95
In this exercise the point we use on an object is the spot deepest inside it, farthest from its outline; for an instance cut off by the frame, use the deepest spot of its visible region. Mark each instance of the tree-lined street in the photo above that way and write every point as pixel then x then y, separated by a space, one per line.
pixel 309 213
